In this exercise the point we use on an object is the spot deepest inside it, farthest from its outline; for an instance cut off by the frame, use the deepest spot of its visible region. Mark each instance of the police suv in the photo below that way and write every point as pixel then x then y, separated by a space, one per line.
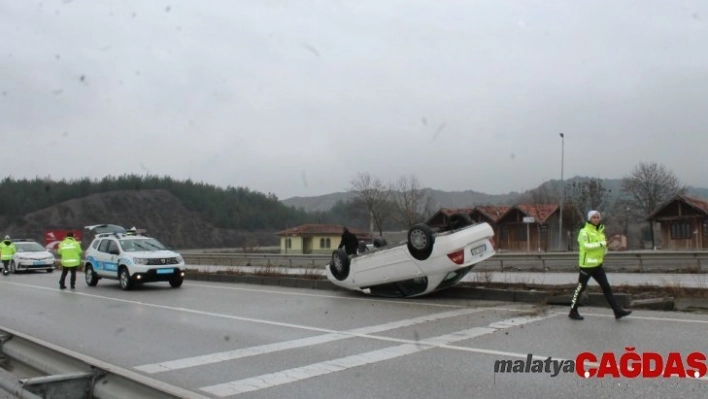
pixel 131 258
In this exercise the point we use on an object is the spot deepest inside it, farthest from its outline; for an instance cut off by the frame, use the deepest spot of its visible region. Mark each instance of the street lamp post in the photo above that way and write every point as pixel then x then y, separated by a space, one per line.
pixel 560 219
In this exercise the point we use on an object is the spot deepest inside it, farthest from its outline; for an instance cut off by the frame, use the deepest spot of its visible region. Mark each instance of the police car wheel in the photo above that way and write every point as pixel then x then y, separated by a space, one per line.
pixel 124 278
pixel 90 276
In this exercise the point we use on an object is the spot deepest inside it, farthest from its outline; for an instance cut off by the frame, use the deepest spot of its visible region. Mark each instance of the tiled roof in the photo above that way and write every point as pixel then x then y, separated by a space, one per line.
pixel 320 229
pixel 538 212
pixel 493 212
pixel 696 203
pixel 699 204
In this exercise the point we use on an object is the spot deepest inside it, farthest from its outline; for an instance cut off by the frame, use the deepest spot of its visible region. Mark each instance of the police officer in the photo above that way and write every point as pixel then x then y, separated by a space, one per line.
pixel 7 251
pixel 593 246
pixel 70 251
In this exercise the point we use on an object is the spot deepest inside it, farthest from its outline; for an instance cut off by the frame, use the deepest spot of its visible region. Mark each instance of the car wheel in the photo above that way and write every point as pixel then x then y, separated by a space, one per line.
pixel 339 267
pixel 460 220
pixel 13 267
pixel 50 270
pixel 125 281
pixel 176 282
pixel 91 277
pixel 420 241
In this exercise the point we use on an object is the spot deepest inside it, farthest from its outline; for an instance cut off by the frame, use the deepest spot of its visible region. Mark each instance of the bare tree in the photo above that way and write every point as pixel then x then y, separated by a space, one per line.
pixel 542 195
pixel 373 195
pixel 580 197
pixel 412 203
pixel 650 185
pixel 586 195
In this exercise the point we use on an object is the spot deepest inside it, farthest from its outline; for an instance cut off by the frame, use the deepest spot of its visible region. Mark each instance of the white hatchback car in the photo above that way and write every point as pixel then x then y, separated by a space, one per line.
pixel 130 258
pixel 429 261
pixel 31 255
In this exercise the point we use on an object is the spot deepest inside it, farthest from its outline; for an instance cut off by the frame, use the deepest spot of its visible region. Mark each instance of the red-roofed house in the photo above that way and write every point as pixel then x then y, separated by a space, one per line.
pixel 539 235
pixel 315 238
pixel 684 223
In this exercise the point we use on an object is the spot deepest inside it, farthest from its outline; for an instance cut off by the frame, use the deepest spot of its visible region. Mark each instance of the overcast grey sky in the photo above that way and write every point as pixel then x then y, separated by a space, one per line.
pixel 296 97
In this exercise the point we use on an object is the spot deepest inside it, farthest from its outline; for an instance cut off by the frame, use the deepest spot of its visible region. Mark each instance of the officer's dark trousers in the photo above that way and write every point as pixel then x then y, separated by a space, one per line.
pixel 598 273
pixel 64 271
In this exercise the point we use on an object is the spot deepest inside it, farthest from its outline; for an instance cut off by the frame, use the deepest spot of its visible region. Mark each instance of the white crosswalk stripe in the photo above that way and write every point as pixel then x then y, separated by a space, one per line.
pixel 331 366
pixel 300 343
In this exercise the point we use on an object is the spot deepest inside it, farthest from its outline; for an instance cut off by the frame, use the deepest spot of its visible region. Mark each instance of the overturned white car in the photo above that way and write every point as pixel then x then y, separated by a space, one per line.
pixel 428 261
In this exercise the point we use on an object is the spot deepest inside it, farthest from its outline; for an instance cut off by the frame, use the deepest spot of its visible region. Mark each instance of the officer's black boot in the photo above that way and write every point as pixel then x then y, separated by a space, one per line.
pixel 620 313
pixel 575 315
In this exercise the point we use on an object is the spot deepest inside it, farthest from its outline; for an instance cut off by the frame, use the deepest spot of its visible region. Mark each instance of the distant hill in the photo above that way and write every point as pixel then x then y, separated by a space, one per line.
pixel 318 203
pixel 450 199
pixel 462 199
pixel 162 214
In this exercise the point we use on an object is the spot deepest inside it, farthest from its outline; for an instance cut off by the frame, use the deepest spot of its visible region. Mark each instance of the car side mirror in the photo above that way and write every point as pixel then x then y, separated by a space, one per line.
pixel 113 251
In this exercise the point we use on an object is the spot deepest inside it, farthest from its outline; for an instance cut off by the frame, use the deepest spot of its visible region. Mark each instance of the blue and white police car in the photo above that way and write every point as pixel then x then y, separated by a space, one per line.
pixel 131 258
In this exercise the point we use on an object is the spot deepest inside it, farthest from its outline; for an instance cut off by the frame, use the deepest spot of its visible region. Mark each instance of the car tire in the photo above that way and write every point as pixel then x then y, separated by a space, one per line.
pixel 13 267
pixel 90 276
pixel 420 241
pixel 340 264
pixel 126 283
pixel 50 270
pixel 460 220
pixel 176 282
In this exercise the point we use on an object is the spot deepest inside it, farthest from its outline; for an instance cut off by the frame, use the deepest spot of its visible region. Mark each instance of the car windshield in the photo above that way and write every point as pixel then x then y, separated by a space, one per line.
pixel 147 244
pixel 29 247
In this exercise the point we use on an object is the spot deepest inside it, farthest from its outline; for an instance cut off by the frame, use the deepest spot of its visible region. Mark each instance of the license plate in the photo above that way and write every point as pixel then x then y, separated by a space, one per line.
pixel 165 271
pixel 478 250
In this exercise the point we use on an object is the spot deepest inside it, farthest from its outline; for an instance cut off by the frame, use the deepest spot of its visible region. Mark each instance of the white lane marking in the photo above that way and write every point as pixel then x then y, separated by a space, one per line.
pixel 300 343
pixel 345 363
pixel 416 302
pixel 200 312
pixel 519 307
pixel 187 310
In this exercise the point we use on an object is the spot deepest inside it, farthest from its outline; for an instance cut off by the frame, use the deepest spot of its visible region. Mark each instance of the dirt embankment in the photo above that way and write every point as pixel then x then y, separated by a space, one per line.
pixel 158 211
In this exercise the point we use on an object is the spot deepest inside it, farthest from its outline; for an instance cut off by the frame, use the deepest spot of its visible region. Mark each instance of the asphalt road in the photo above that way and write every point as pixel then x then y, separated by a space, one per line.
pixel 234 340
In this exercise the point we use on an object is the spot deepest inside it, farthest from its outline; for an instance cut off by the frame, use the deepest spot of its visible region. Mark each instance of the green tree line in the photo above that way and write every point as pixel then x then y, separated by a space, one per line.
pixel 232 207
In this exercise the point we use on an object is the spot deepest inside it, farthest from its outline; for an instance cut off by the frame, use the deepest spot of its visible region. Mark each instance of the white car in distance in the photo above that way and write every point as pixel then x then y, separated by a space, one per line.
pixel 429 261
pixel 31 255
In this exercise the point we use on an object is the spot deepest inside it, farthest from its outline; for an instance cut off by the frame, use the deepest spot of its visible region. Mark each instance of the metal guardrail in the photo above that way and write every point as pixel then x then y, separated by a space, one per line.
pixel 640 261
pixel 54 372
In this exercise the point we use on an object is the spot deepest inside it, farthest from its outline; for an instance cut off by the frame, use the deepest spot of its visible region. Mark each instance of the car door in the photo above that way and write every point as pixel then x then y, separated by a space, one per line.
pixel 106 263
